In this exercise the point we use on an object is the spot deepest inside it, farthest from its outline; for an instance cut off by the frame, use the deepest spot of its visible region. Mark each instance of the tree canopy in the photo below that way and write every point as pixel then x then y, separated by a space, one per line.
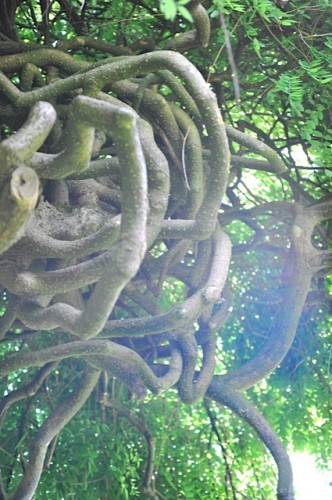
pixel 165 247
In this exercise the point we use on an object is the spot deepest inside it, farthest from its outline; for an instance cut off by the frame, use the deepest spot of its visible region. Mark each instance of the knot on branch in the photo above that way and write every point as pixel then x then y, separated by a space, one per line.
pixel 211 294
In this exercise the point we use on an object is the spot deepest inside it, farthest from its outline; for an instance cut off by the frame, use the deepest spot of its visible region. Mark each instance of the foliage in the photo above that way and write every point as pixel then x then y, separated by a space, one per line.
pixel 173 7
pixel 129 331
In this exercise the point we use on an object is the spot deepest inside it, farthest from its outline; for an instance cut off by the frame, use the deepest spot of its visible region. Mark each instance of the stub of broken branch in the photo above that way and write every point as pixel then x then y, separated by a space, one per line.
pixel 18 198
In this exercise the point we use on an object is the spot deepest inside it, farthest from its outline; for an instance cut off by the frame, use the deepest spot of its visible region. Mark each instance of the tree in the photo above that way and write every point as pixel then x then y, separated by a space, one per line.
pixel 147 247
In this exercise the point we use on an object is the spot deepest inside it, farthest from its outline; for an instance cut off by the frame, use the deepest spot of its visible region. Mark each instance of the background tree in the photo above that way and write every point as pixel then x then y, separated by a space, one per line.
pixel 169 254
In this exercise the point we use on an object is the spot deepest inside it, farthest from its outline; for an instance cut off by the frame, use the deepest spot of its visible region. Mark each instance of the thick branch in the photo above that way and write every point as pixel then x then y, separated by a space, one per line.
pixel 103 354
pixel 224 395
pixel 295 287
pixel 18 149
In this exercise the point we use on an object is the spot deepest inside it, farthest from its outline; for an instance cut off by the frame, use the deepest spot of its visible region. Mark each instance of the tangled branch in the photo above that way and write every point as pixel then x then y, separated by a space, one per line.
pixel 133 186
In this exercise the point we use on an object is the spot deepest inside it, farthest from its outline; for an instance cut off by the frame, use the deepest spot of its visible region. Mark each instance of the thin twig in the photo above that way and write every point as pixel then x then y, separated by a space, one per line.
pixel 184 159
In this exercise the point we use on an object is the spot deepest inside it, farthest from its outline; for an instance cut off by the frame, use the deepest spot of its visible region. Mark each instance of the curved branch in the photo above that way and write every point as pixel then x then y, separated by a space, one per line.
pixel 297 276
pixel 50 428
pixel 9 316
pixel 198 37
pixel 26 391
pixel 95 79
pixel 41 57
pixel 227 396
pixel 124 259
pixel 102 354
pixel 258 147
pixel 43 245
pixel 72 320
pixel 18 149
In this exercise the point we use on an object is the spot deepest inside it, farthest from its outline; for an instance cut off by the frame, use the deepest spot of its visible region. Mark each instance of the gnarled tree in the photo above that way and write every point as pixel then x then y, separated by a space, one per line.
pixel 120 186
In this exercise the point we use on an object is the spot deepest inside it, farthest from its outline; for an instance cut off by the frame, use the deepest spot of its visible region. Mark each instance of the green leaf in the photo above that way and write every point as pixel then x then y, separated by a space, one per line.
pixel 185 13
pixel 257 46
pixel 168 8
